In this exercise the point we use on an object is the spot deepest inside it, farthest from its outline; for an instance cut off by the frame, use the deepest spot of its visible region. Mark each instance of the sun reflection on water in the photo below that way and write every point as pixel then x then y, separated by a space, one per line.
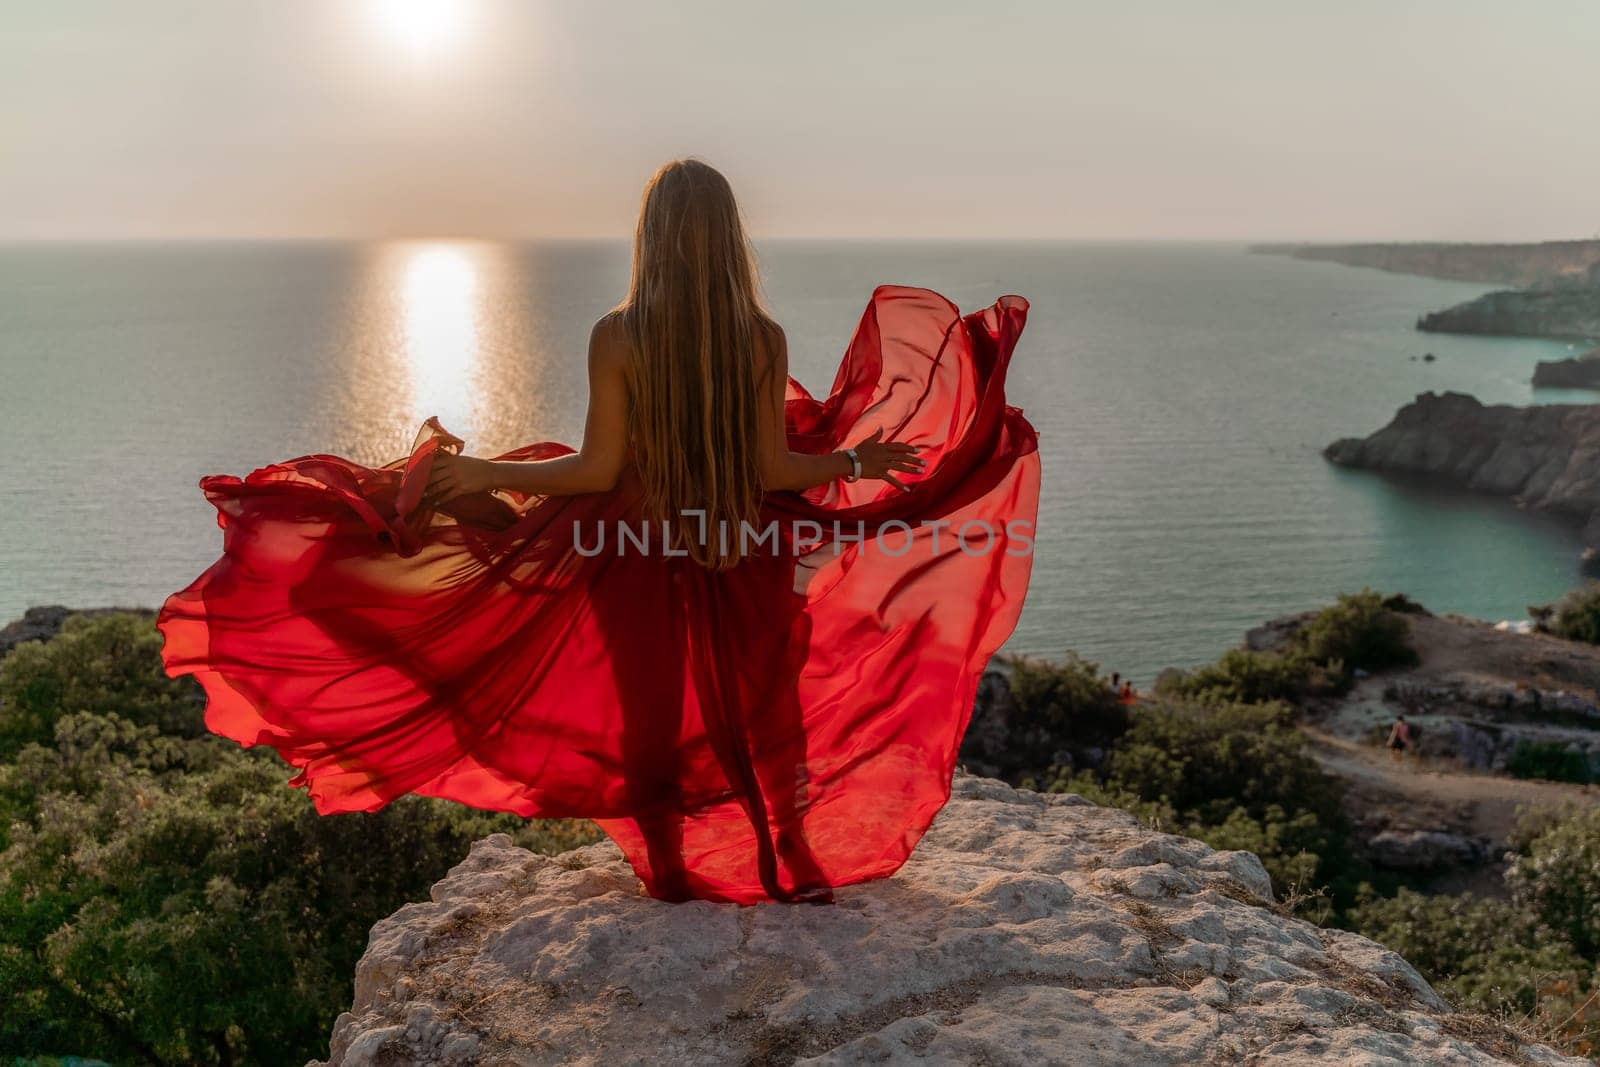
pixel 441 308
pixel 475 332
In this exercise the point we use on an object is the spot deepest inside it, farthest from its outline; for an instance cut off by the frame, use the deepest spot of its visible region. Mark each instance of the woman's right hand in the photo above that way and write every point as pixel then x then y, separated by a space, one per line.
pixel 455 475
pixel 880 459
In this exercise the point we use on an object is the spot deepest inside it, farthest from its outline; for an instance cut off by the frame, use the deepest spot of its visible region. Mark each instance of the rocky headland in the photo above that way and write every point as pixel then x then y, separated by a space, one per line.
pixel 1567 308
pixel 1027 928
pixel 1580 372
pixel 1519 265
pixel 1556 284
pixel 1546 457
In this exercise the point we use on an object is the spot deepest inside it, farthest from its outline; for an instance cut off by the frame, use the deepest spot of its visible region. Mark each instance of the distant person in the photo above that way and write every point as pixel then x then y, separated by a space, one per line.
pixel 1399 738
pixel 1126 696
pixel 1116 681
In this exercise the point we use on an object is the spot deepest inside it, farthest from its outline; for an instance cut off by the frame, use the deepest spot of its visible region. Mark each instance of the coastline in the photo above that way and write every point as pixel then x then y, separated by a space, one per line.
pixel 1541 457
pixel 1553 287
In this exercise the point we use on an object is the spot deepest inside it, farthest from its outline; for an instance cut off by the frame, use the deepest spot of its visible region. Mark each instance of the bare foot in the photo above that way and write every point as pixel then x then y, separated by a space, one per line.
pixel 819 895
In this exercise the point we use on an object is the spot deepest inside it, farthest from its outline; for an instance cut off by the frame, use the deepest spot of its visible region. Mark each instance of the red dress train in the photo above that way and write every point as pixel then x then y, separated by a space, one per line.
pixel 744 735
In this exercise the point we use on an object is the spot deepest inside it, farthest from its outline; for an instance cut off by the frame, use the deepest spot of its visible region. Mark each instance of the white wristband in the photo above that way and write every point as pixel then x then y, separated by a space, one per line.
pixel 855 465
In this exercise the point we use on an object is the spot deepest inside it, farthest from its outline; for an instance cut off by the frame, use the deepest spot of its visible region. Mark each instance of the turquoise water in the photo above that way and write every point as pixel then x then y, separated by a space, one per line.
pixel 1182 394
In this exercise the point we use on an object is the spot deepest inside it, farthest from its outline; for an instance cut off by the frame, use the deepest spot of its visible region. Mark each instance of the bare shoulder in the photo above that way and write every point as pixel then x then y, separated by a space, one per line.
pixel 771 335
pixel 772 347
pixel 609 341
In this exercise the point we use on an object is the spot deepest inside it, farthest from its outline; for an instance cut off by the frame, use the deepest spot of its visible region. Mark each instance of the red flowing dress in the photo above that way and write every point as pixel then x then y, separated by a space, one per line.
pixel 751 734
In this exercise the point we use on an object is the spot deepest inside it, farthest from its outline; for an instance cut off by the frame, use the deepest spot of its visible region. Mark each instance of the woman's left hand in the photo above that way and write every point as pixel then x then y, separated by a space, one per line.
pixel 454 476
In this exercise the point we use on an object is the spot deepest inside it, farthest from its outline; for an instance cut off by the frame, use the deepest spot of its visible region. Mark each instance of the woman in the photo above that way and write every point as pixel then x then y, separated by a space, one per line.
pixel 738 627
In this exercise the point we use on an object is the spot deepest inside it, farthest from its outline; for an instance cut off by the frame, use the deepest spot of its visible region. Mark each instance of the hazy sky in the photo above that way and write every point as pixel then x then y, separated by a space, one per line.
pixel 500 118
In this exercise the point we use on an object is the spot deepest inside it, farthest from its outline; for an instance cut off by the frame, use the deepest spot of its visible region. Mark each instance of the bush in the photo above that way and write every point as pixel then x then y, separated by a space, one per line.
pixel 1551 760
pixel 1234 776
pixel 1213 759
pixel 1062 713
pixel 1359 631
pixel 1245 676
pixel 1484 955
pixel 1069 697
pixel 1558 877
pixel 1576 616
pixel 1534 955
pixel 109 663
pixel 164 898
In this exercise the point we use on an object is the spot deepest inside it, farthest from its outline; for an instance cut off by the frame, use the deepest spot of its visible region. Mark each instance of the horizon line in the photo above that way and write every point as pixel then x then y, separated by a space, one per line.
pixel 623 238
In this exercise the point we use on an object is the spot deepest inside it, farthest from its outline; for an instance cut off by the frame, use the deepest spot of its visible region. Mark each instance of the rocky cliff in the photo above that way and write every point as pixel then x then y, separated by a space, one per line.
pixel 1557 283
pixel 1025 929
pixel 1568 308
pixel 1544 457
pixel 1493 264
pixel 1581 372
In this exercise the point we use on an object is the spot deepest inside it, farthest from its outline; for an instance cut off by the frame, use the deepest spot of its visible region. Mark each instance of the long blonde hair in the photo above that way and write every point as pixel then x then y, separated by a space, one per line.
pixel 693 311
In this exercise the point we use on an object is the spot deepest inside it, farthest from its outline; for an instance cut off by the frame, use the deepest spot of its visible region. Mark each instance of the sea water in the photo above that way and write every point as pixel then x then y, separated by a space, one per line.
pixel 1182 394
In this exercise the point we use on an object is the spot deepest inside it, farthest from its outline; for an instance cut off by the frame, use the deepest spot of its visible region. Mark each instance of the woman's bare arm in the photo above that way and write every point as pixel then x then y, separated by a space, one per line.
pixel 783 469
pixel 594 468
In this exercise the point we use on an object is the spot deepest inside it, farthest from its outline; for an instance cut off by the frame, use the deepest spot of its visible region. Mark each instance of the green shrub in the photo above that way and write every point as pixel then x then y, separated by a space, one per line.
pixel 1534 955
pixel 1245 676
pixel 1069 696
pixel 1213 759
pixel 1404 605
pixel 1234 776
pixel 1551 760
pixel 1558 877
pixel 107 663
pixel 1359 631
pixel 1576 616
pixel 1482 954
pixel 1058 709
pixel 164 898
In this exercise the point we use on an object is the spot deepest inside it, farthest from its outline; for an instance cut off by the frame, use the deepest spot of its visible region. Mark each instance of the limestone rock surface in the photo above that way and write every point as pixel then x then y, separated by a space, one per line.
pixel 1026 929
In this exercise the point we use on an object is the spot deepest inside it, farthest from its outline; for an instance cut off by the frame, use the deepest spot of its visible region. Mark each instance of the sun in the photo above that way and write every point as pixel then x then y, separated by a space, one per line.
pixel 422 27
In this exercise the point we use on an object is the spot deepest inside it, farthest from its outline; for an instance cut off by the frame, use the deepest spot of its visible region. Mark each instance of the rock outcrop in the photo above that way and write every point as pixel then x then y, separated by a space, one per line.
pixel 1557 283
pixel 1567 309
pixel 1026 929
pixel 1582 372
pixel 1493 264
pixel 1482 702
pixel 1544 457
pixel 1425 851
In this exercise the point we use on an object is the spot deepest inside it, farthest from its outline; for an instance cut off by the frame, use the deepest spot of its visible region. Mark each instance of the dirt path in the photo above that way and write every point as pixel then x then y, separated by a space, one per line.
pixel 1482 804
